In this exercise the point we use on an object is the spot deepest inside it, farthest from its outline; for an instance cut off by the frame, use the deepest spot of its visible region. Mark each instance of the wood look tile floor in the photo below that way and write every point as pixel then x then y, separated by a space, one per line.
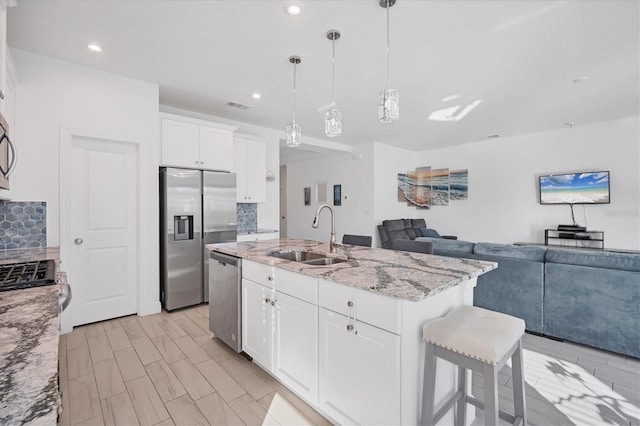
pixel 164 369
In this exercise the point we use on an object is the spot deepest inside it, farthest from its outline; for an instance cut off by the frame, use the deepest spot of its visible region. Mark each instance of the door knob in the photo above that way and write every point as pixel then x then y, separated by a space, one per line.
pixel 78 241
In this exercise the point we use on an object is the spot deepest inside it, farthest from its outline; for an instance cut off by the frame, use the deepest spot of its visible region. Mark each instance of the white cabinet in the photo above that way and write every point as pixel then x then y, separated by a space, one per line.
pixel 280 325
pixel 256 322
pixel 251 169
pixel 197 144
pixel 295 345
pixel 359 371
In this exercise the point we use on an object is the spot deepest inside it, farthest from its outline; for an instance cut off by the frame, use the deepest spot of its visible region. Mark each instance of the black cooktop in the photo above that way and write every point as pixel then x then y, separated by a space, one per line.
pixel 15 276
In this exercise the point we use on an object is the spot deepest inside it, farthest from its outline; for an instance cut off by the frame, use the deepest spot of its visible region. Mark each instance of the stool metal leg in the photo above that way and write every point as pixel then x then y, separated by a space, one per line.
pixel 429 385
pixel 519 400
pixel 461 408
pixel 490 377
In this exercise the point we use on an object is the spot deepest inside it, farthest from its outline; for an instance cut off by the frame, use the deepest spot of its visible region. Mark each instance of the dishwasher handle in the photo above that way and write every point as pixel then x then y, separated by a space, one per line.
pixel 224 259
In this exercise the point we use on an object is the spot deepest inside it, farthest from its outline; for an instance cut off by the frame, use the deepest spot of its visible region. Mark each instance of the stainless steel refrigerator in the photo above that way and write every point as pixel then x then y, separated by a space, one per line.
pixel 196 208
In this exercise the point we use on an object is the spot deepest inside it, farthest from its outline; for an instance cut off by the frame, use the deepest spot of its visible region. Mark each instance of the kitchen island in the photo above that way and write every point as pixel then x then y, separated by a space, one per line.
pixel 346 337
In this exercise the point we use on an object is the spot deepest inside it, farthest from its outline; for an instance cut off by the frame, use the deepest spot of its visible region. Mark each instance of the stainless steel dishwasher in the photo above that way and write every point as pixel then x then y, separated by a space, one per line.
pixel 225 299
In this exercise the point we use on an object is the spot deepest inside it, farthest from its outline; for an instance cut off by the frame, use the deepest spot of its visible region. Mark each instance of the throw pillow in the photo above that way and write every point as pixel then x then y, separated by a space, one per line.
pixel 426 232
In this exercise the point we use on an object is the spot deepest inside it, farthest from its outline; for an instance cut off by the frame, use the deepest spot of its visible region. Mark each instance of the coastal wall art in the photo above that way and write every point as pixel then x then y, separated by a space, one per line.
pixel 425 187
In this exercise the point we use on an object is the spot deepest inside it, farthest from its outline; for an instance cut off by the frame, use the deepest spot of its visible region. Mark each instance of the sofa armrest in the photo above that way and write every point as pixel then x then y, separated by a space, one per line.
pixel 384 239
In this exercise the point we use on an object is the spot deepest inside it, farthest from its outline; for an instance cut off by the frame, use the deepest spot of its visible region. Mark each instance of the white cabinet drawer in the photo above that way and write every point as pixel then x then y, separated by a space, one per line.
pixel 258 272
pixel 297 285
pixel 381 311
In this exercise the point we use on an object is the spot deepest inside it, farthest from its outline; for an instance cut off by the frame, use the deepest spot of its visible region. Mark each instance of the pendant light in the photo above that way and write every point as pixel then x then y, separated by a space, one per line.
pixel 294 131
pixel 333 117
pixel 389 109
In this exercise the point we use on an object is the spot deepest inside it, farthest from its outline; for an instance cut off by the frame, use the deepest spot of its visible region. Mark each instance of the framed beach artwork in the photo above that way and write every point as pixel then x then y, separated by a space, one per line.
pixel 459 184
pixel 425 187
pixel 440 187
pixel 337 195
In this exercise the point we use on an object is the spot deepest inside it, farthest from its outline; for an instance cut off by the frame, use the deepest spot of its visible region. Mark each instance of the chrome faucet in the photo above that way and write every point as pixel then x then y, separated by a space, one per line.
pixel 333 246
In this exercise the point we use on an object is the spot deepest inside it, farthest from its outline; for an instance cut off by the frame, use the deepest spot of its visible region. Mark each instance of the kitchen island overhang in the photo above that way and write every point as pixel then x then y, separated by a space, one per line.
pixel 373 303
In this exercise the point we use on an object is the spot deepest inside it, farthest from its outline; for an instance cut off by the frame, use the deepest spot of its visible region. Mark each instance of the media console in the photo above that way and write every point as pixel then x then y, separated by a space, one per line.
pixel 574 238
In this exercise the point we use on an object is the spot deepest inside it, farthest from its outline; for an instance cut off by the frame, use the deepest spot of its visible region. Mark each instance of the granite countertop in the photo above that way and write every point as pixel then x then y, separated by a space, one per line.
pixel 29 348
pixel 258 231
pixel 404 275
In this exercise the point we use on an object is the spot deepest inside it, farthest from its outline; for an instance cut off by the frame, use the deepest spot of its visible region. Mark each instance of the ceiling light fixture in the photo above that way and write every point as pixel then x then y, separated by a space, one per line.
pixel 581 79
pixel 94 47
pixel 333 117
pixel 389 109
pixel 294 10
pixel 294 131
pixel 256 95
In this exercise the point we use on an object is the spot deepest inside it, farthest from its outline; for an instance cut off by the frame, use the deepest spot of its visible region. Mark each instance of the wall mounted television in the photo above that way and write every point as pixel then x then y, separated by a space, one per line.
pixel 575 188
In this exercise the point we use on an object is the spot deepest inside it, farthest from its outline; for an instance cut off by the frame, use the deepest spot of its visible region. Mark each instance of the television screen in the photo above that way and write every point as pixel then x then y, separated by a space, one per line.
pixel 575 188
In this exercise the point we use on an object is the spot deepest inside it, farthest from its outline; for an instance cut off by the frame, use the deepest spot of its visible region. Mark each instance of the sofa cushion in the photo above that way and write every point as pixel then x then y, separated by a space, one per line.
pixel 450 246
pixel 418 223
pixel 393 225
pixel 595 259
pixel 413 233
pixel 426 232
pixel 532 253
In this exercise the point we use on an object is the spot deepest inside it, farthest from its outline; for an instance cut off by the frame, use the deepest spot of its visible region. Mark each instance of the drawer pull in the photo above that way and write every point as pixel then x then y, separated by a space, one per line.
pixel 350 327
pixel 270 278
pixel 267 300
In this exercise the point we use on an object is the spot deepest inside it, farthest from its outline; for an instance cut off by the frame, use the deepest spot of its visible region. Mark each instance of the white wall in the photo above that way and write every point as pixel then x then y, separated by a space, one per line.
pixel 503 179
pixel 354 171
pixel 53 94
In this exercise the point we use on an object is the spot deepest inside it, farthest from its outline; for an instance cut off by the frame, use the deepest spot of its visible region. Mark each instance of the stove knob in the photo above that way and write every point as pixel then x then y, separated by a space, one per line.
pixel 78 241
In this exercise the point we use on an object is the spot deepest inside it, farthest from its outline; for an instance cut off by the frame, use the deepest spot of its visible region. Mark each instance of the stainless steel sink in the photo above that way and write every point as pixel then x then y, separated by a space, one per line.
pixel 297 255
pixel 324 261
pixel 307 257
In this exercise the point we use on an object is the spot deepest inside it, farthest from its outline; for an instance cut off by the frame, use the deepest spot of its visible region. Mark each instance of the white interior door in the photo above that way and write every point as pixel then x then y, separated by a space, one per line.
pixel 102 261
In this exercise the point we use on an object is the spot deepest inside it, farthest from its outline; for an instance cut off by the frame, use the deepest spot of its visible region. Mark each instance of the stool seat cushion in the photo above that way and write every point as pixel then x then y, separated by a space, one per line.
pixel 475 332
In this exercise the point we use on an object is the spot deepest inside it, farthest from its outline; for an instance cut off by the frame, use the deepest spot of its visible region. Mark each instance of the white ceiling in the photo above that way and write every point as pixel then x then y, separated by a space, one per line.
pixel 519 57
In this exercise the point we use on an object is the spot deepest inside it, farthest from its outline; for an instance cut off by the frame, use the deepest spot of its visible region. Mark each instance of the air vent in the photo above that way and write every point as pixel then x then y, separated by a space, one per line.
pixel 237 105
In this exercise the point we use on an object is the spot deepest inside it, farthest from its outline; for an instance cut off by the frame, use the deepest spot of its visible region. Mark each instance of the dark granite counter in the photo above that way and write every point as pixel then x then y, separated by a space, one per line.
pixel 29 348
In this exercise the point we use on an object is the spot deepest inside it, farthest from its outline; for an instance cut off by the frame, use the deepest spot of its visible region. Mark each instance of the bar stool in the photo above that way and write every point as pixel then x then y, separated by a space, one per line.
pixel 480 340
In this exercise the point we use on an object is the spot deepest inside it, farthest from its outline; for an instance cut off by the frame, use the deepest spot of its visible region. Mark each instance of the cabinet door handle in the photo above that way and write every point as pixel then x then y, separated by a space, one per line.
pixel 267 300
pixel 270 278
pixel 1 95
pixel 273 302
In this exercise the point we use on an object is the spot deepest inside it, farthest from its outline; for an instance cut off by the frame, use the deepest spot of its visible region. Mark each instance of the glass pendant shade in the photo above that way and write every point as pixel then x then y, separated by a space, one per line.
pixel 294 134
pixel 389 108
pixel 294 131
pixel 333 116
pixel 333 123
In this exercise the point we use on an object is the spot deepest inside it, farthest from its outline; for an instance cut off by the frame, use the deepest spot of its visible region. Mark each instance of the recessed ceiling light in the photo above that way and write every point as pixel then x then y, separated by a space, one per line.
pixel 256 95
pixel 581 79
pixel 94 47
pixel 294 10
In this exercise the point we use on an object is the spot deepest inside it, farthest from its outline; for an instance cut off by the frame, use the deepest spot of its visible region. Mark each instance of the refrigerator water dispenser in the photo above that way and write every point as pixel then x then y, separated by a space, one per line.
pixel 183 228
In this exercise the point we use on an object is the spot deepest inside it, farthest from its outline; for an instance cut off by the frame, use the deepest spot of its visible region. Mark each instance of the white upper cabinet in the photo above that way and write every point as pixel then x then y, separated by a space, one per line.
pixel 196 144
pixel 251 169
pixel 3 53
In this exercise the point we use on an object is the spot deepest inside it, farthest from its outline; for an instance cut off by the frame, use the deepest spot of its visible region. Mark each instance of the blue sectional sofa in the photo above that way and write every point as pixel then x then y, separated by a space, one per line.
pixel 588 297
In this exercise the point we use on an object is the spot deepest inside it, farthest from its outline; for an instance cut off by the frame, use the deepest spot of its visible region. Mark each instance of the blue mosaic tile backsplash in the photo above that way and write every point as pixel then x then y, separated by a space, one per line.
pixel 247 217
pixel 23 224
